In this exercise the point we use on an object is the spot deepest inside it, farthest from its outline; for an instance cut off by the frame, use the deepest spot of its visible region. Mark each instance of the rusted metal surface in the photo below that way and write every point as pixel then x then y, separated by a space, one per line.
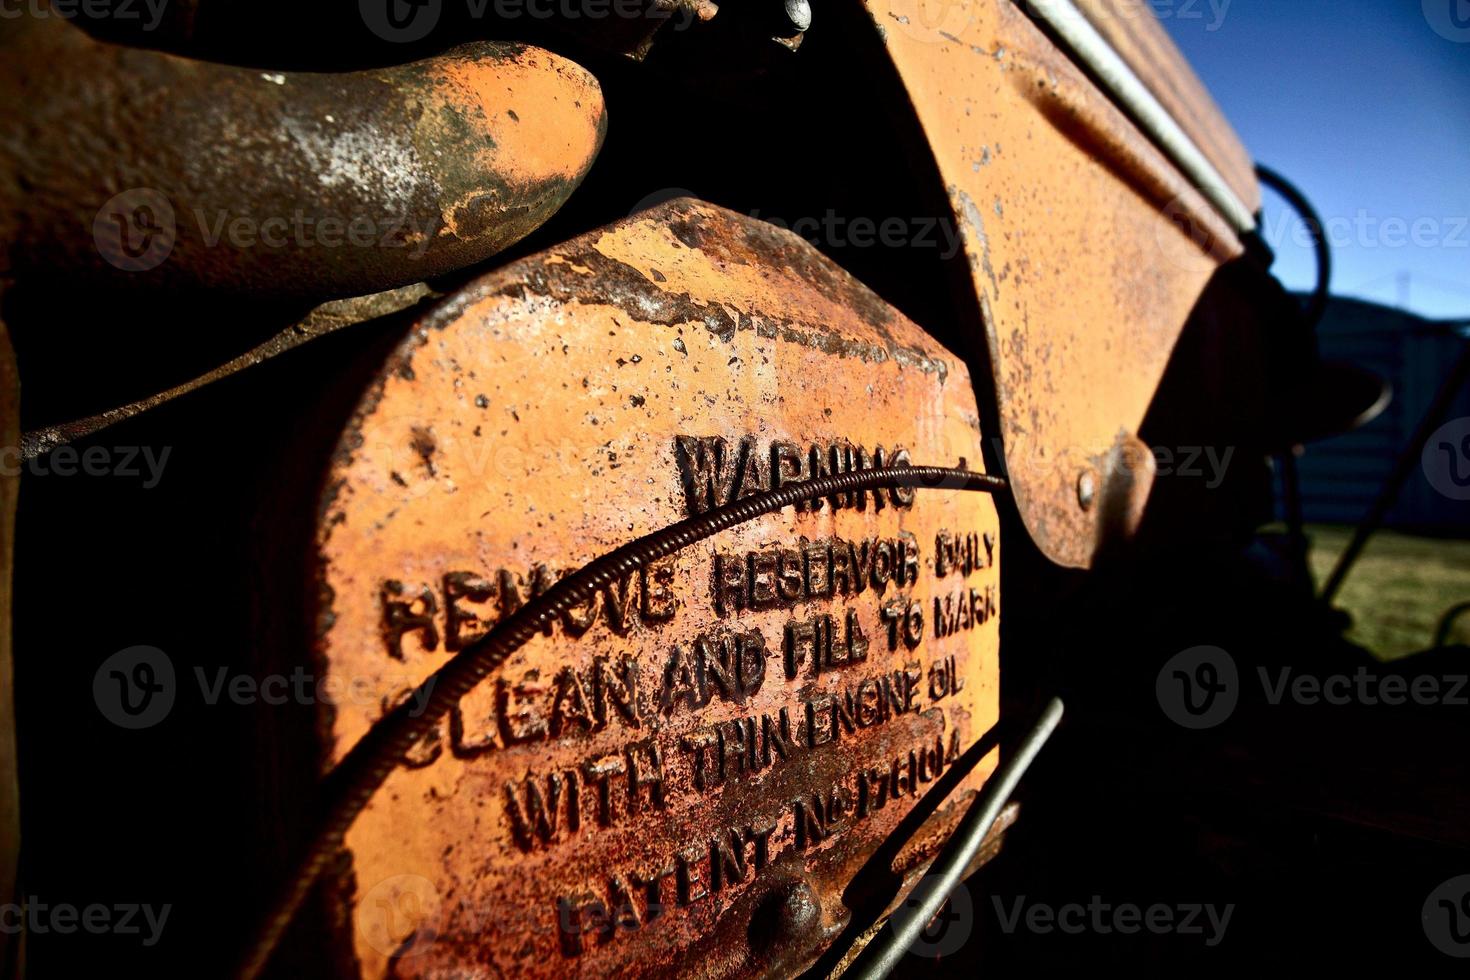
pixel 1138 37
pixel 687 776
pixel 1087 251
pixel 154 170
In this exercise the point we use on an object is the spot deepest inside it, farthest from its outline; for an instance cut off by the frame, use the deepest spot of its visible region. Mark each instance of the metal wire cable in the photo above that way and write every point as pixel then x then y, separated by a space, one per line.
pixel 881 955
pixel 349 787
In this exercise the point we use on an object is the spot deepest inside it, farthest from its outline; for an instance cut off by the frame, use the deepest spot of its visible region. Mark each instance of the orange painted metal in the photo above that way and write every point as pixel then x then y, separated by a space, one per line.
pixel 1087 252
pixel 689 774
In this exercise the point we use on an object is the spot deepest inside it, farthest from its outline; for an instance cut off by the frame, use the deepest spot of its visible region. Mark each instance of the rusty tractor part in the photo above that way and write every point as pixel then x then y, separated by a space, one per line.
pixel 150 170
pixel 641 624
pixel 691 763
pixel 1087 249
pixel 881 957
pixel 322 320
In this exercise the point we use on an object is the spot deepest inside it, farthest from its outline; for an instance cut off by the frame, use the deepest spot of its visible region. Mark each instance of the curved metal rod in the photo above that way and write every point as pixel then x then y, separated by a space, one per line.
pixel 880 956
pixel 1322 292
pixel 355 780
pixel 1447 623
pixel 140 169
pixel 321 321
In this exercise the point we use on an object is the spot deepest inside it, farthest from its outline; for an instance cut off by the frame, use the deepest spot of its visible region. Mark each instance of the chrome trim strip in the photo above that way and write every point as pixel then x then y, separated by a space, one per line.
pixel 1093 51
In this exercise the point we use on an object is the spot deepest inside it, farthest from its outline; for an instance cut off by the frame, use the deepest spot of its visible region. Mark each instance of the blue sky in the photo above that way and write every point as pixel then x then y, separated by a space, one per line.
pixel 1365 105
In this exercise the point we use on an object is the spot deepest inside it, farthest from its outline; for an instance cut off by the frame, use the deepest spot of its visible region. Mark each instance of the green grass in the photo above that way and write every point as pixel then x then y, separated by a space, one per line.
pixel 1399 589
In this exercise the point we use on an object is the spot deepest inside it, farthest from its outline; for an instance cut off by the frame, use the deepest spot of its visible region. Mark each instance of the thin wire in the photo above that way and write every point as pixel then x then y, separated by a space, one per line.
pixel 881 955
pixel 349 787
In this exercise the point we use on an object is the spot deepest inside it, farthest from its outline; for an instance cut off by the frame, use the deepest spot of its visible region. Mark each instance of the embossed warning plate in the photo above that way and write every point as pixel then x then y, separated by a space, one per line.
pixel 684 775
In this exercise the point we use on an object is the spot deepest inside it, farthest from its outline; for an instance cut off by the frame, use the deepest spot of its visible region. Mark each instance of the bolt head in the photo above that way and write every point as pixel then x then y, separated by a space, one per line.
pixel 798 15
pixel 1086 489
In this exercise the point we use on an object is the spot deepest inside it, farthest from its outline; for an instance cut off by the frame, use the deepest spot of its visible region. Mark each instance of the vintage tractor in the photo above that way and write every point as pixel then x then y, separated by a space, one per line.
pixel 542 472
